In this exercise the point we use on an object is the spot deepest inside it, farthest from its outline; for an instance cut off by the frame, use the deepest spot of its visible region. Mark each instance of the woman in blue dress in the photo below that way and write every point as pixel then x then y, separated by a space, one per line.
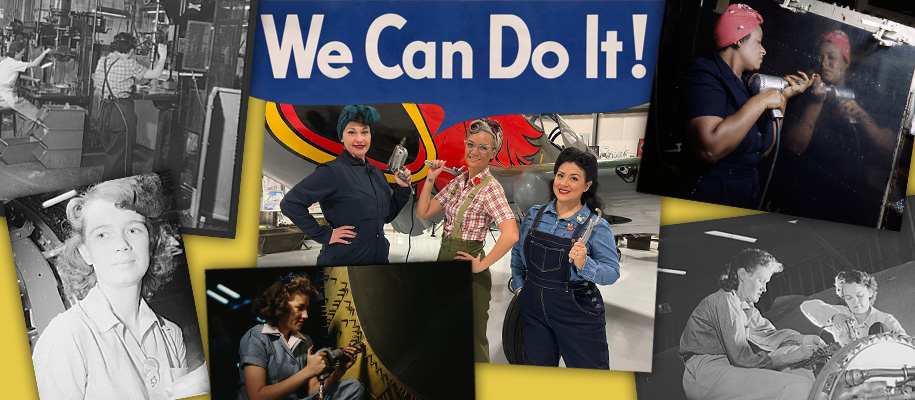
pixel 278 362
pixel 728 129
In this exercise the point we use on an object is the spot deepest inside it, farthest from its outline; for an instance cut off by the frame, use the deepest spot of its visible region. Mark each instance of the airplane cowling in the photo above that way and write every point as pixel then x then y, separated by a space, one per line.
pixel 874 367
pixel 410 330
pixel 530 189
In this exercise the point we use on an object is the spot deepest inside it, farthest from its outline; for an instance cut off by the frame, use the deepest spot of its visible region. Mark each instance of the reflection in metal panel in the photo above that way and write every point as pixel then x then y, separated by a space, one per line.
pixel 841 138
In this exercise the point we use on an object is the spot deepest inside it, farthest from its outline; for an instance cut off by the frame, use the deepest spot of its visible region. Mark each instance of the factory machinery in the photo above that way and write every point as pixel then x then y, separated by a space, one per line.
pixel 36 235
pixel 188 118
pixel 78 38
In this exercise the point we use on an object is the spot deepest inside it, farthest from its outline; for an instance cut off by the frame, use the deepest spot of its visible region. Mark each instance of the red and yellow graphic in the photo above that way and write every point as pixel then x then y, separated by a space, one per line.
pixel 294 127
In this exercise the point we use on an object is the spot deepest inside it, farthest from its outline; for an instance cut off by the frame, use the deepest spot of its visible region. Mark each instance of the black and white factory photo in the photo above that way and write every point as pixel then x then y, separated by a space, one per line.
pixel 98 90
pixel 770 306
pixel 106 292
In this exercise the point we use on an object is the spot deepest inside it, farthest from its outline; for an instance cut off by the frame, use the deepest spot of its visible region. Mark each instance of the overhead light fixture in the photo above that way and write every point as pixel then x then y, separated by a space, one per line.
pixel 793 221
pixel 240 304
pixel 217 297
pixel 60 198
pixel 732 236
pixel 228 291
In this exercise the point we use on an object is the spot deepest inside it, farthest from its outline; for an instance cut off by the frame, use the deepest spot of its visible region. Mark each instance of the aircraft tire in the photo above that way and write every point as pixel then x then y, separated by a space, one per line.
pixel 511 333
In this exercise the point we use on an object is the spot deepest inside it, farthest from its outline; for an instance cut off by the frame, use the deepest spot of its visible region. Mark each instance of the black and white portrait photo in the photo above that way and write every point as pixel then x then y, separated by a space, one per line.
pixel 106 293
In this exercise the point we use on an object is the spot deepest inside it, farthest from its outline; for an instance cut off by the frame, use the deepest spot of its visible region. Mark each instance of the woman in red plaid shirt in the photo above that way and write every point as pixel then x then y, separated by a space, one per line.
pixel 472 201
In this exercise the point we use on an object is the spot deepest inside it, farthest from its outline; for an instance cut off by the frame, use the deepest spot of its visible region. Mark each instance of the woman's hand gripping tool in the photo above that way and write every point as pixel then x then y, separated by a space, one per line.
pixel 591 225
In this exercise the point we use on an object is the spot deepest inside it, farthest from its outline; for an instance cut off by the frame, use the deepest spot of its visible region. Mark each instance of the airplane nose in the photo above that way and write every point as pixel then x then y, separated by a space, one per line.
pixel 530 189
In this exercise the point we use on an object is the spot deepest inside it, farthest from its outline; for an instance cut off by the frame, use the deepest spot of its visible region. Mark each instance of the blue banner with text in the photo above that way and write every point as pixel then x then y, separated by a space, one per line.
pixel 472 58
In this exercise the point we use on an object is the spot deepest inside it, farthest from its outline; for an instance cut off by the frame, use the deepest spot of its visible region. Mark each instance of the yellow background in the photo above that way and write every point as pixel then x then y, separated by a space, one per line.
pixel 494 381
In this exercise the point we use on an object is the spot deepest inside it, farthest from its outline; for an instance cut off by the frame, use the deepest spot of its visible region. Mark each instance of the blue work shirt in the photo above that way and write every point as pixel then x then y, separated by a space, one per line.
pixel 265 347
pixel 602 266
pixel 351 192
pixel 711 88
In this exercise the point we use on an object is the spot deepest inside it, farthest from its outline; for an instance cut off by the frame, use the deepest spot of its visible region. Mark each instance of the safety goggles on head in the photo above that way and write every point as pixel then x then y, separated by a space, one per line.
pixel 484 148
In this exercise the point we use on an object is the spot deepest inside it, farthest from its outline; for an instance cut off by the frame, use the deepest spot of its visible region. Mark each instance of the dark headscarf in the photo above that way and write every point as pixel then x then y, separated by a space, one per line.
pixel 356 112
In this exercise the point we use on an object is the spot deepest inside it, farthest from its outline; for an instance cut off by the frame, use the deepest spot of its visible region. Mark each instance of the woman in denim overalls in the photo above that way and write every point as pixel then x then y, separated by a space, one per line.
pixel 561 307
pixel 473 201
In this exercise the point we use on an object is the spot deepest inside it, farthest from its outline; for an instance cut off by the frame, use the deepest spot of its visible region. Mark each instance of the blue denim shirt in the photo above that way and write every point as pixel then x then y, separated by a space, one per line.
pixel 265 348
pixel 602 266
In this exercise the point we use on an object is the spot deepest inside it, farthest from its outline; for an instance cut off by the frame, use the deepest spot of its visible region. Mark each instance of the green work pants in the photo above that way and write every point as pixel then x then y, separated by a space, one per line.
pixel 482 292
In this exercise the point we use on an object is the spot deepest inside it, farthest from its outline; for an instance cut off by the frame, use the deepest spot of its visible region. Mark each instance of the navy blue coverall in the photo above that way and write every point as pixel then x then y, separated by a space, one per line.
pixel 351 192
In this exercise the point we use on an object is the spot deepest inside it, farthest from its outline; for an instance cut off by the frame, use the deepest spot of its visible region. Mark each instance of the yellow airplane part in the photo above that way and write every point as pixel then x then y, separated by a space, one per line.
pixel 293 141
pixel 343 324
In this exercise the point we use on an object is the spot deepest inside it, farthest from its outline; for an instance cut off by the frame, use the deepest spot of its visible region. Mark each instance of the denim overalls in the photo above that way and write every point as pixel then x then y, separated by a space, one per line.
pixel 561 317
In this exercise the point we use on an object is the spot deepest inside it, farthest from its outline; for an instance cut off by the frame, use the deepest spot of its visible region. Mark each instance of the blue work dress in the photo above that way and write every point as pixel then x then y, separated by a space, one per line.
pixel 712 89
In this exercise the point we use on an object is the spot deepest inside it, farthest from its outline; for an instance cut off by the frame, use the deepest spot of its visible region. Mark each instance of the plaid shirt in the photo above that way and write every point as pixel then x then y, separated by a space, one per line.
pixel 123 75
pixel 489 205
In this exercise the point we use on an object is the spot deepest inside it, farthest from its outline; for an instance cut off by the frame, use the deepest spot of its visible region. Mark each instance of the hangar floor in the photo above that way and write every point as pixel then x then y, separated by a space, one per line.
pixel 629 302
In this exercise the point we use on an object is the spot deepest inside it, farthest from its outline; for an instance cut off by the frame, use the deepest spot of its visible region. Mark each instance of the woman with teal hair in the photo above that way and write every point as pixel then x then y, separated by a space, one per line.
pixel 354 195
